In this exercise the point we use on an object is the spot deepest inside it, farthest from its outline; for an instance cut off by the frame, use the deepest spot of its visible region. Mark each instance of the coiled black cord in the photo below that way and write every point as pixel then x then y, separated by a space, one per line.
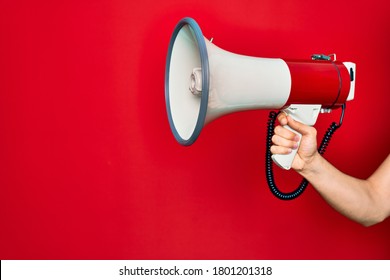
pixel 269 163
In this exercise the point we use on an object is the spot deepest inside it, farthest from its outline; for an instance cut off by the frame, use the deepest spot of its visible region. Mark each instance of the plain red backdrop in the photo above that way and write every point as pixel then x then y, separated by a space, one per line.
pixel 89 168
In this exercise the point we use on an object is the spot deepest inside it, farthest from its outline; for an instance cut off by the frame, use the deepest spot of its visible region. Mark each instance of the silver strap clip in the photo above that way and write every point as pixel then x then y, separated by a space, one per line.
pixel 331 57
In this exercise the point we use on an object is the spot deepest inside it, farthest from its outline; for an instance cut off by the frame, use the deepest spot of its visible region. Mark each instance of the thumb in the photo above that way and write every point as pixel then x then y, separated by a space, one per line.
pixel 299 127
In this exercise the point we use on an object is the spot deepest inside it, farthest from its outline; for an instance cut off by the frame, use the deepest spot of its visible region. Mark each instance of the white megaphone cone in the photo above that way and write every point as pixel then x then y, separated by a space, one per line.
pixel 204 82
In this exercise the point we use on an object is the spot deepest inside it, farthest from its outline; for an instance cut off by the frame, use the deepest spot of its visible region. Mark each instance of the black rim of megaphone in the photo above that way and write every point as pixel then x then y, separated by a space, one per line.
pixel 205 80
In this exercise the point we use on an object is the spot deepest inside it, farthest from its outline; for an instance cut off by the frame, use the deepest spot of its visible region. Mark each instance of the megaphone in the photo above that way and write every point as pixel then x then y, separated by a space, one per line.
pixel 204 82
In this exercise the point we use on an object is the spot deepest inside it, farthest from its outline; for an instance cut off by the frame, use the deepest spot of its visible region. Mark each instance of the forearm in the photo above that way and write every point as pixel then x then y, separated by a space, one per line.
pixel 352 197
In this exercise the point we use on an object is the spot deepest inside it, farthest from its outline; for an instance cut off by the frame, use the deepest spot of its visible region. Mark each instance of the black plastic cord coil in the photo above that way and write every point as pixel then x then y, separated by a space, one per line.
pixel 269 163
pixel 326 139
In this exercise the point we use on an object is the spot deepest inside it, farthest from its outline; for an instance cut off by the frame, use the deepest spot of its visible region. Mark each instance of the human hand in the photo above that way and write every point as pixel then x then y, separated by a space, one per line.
pixel 284 141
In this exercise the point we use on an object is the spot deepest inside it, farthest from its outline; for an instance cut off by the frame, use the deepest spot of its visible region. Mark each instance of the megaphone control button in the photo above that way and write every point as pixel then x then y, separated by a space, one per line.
pixel 352 74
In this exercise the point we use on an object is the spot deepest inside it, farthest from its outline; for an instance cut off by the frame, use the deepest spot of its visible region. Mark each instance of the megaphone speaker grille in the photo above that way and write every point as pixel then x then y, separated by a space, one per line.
pixel 186 111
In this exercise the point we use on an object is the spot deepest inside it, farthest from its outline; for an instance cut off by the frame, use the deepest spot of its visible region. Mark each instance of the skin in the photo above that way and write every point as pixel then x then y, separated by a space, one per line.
pixel 364 201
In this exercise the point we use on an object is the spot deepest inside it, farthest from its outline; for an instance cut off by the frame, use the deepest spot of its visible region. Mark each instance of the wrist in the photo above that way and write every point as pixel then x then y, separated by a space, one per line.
pixel 311 166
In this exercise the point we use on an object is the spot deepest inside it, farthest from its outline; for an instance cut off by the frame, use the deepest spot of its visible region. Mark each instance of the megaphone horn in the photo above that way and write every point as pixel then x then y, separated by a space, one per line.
pixel 204 82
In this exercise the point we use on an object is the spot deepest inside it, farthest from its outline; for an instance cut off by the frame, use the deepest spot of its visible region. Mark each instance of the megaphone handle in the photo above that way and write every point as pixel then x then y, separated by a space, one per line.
pixel 285 161
pixel 306 114
pixel 268 157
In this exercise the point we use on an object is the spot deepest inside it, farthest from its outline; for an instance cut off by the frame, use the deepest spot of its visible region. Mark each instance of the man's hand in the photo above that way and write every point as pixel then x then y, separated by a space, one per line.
pixel 285 141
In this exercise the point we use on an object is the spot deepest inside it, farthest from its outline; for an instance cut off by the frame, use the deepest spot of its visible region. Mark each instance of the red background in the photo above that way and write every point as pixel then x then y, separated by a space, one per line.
pixel 88 165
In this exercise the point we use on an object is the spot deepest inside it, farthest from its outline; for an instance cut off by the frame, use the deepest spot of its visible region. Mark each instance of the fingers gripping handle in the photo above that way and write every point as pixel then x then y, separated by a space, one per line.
pixel 306 114
pixel 285 161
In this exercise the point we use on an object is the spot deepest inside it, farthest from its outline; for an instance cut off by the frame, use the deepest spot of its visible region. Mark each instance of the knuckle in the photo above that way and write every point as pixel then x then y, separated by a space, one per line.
pixel 291 135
